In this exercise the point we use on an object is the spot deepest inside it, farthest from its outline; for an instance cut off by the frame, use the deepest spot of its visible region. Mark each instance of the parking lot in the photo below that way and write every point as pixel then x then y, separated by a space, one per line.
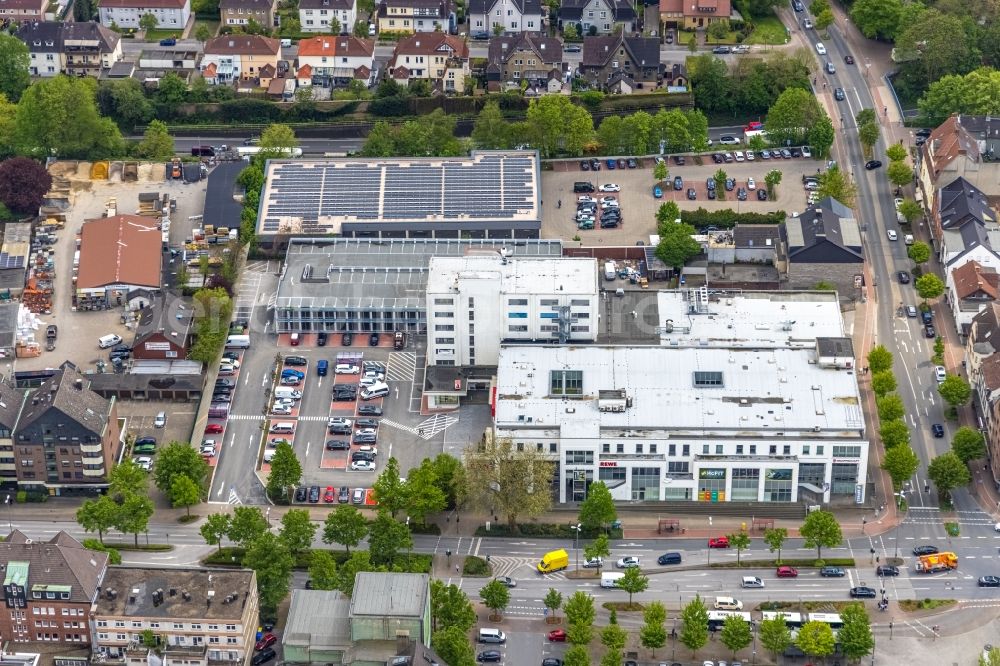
pixel 639 206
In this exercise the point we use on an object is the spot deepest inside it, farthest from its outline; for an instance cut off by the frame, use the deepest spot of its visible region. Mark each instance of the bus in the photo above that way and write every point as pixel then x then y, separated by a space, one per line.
pixel 792 620
pixel 718 618
pixel 831 619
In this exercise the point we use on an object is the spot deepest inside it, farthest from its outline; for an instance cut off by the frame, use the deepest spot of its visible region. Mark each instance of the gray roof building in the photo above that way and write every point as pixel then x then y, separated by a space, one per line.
pixel 68 394
pixel 756 235
pixel 380 595
pixel 825 233
pixel 186 593
pixel 61 563
pixel 961 202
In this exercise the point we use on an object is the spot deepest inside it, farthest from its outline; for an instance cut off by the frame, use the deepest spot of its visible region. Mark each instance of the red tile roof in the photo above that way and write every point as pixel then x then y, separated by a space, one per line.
pixel 342 46
pixel 972 277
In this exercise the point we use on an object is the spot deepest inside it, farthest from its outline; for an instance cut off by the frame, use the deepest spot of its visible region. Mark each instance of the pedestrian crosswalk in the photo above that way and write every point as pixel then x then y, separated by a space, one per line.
pixel 401 367
pixel 398 426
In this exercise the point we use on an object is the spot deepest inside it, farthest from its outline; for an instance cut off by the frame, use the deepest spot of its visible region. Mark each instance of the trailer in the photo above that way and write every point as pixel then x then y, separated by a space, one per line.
pixel 937 562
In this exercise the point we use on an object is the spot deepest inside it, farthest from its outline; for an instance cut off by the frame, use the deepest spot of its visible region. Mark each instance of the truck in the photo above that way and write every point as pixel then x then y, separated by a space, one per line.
pixel 555 560
pixel 611 578
pixel 753 129
pixel 398 340
pixel 937 562
pixel 609 270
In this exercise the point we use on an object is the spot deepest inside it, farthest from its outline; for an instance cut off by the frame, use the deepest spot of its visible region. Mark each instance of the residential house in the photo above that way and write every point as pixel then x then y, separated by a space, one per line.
pixel 512 16
pixel 440 58
pixel 823 244
pixel 316 15
pixel 387 616
pixel 76 49
pixel 335 61
pixel 303 76
pixel 19 11
pixel 67 437
pixel 969 288
pixel 982 360
pixel 960 147
pixel 675 77
pixel 170 14
pixel 240 12
pixel 597 17
pixel 410 16
pixel 755 243
pixel 617 59
pixel 962 219
pixel 526 56
pixel 238 57
pixel 163 330
pixel 11 402
pixel 49 587
pixel 201 616
pixel 694 14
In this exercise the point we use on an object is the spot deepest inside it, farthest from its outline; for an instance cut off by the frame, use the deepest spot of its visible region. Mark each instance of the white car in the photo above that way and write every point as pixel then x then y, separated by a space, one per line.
pixel 362 466
pixel 739 156
pixel 728 140
pixel 627 562
pixel 586 199
pixel 940 373
pixel 605 200
pixel 891 233
pixel 375 373
pixel 208 449
pixel 610 187
pixel 346 369
pixel 339 422
pixel 145 463
pixel 806 152
pixel 160 420
pixel 371 29
pixel 366 431
pixel 370 380
pixel 996 528
pixel 751 184
pixel 609 205
pixel 897 201
pixel 269 455
pixel 820 49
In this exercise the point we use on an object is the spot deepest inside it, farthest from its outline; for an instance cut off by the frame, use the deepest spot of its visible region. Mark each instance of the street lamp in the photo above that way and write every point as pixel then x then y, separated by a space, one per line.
pixel 576 544
pixel 10 525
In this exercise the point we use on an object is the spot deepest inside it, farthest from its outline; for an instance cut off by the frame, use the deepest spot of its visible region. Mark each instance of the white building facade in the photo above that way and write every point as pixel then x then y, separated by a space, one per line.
pixel 170 14
pixel 475 302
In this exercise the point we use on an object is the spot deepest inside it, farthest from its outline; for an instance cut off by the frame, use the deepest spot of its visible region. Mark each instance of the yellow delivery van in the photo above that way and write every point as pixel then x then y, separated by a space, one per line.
pixel 554 561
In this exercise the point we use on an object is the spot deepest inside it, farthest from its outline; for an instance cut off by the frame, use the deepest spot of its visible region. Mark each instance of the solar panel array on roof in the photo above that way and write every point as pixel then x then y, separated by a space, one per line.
pixel 11 261
pixel 489 186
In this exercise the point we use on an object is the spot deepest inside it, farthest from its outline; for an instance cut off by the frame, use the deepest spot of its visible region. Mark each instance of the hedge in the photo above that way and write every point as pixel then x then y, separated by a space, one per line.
pixel 728 218
pixel 232 556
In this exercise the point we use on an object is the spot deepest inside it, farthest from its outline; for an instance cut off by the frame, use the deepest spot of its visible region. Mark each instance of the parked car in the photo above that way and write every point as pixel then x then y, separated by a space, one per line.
pixel 321 339
pixel 263 656
pixel 347 339
pixel 719 542
pixel 678 183
pixel 657 192
pixel 314 494
pixel 369 410
pixel 338 445
pixel 301 493
pixel 373 340
pixel 214 429
pixel 691 194
pixel 610 187
pixel 329 495
pixel 557 635
pixel 160 420
pixel 363 466
pixel 761 195
pixel 296 361
pixel 344 496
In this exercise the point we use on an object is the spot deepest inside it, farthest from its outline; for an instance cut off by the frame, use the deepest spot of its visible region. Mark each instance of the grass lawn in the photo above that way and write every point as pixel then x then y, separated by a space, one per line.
pixel 768 30
pixel 157 35
pixel 213 26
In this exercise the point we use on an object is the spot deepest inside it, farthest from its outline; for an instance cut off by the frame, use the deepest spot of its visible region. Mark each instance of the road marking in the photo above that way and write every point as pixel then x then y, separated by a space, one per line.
pixel 233 497
pixel 221 488
pixel 307 448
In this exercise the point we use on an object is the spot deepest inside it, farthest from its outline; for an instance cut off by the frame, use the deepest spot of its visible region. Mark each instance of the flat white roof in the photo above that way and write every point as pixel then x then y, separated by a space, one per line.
pixel 707 318
pixel 521 275
pixel 775 390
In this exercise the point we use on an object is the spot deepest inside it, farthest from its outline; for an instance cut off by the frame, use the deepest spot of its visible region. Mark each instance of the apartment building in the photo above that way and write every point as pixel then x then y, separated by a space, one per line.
pixel 410 16
pixel 170 14
pixel 316 15
pixel 437 57
pixel 201 616
pixel 18 11
pixel 241 12
pixel 77 49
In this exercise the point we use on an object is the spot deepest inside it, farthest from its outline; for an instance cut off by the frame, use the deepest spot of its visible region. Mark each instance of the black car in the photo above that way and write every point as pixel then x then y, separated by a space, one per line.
pixel 838 94
pixel 679 160
pixel 761 195
pixel 678 183
pixel 741 194
pixel 121 348
pixel 364 439
pixel 338 445
pixel 223 383
pixel 370 410
pixel 344 496
pixel 669 558
pixel 314 494
pixel 711 193
pixel 717 158
pixel 873 164
pixel 929 332
pixel 923 133
pixel 621 164
pixel 362 455
pixel 552 661
pixel 730 184
pixel 938 430
pixel 373 340
pixel 486 655
pixel 863 593
pixel 321 339
pixel 595 165
pixel 231 356
pixel 710 183
pixel 301 493
pixel 609 224
pixel 924 550
pixel 347 338
pixel 344 397
pixel 584 165
pixel 849 59
pixel 887 570
pixel 263 657
pixel 989 581
pixel 903 277
pixel 296 360
pixel 119 355
pixel 339 430
pixel 796 152
pixel 345 389
pixel 691 194
pixel 366 423
pixel 832 572
pixel 583 187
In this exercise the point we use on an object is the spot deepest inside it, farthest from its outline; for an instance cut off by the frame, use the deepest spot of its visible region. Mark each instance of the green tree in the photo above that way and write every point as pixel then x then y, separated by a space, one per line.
pixel 580 614
pixel 271 560
pixel 668 212
pixel 736 634
pixel 389 489
pixel 883 382
pixel 934 45
pixel 14 62
pixel 423 493
pixel 633 582
pixel 868 135
pixel 894 433
pixel 297 531
pixel 890 407
pixel 653 634
pixel 910 210
pixel 879 359
pixel 713 89
pixel 740 541
pixel 450 607
pixel 491 131
pixel 899 173
pixel 791 115
pixel 968 444
pixel 599 547
pixel 178 459
pixel 613 637
pixel 453 646
pixel 660 172
pixel 495 596
pixel 156 144
pixel 901 463
pixel 919 252
pixel 576 655
pixel 127 478
pixel 676 244
pixel 511 482
pixel 386 537
pixel 694 633
pixel 450 479
pixel 877 19
pixel 97 515
pixel 821 135
pixel 598 509
pixel 202 33
pixel 171 90
pixel 323 570
pixel 955 390
pixel 148 22
pixel 929 286
pixel 775 635
pixel 775 537
pixel 821 530
pixel 349 569
pixel 286 472
pixel 133 515
pixel 968 94
pixel 816 639
pixel 558 126
pixel 246 525
pixel 896 152
pixel 835 183
pixel 215 529
pixel 948 472
pixel 824 19
pixel 772 179
pixel 277 139
pixel 345 525
pixel 184 493
pixel 553 600
pixel 855 637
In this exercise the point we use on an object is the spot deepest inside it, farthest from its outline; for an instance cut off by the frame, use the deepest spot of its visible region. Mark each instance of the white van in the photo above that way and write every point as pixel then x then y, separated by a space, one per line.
pixel 238 342
pixel 611 578
pixel 728 603
pixel 287 392
pixel 109 340
pixel 492 636
pixel 283 428
pixel 286 43
pixel 378 390
pixel 751 581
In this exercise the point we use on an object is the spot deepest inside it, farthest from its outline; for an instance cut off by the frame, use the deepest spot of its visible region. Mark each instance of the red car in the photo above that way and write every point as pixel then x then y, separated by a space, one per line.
pixel 720 542
pixel 787 572
pixel 329 496
pixel 557 635
pixel 267 640
pixel 213 429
